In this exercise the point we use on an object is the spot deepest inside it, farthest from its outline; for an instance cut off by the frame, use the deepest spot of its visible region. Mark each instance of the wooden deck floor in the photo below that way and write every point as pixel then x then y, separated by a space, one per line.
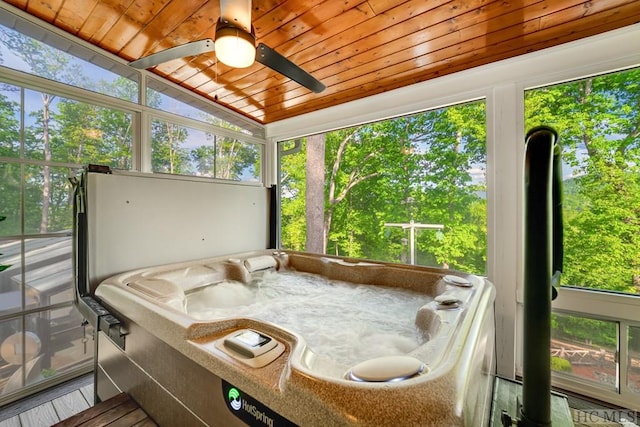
pixel 71 405
pixel 51 406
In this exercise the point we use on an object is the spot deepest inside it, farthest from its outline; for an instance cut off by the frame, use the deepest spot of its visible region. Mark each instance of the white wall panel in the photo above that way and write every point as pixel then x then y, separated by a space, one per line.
pixel 138 220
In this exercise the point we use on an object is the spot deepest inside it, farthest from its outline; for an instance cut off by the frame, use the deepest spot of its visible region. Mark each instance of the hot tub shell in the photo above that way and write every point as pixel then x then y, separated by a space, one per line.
pixel 168 361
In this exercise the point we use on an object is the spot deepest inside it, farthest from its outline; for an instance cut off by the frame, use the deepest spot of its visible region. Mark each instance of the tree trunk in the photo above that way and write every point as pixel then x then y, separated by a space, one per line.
pixel 314 197
pixel 46 172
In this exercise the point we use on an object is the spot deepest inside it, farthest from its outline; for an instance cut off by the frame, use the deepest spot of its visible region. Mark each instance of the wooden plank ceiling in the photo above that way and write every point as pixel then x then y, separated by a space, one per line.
pixel 356 48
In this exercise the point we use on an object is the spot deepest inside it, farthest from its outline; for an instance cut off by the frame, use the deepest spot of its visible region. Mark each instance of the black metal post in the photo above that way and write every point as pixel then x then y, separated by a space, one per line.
pixel 543 232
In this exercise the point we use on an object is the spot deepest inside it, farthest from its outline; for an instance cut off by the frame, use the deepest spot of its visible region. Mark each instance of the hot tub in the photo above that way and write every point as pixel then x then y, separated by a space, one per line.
pixel 283 338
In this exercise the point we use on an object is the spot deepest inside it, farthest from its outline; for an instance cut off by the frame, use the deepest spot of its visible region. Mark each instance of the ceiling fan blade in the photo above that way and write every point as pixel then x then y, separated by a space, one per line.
pixel 187 49
pixel 272 59
pixel 237 12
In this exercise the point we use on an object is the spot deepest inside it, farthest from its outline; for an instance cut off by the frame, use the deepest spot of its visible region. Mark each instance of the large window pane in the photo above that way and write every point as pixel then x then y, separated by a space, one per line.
pixel 53 343
pixel 410 188
pixel 9 120
pixel 633 376
pixel 12 355
pixel 29 54
pixel 585 348
pixel 187 151
pixel 48 271
pixel 11 292
pixel 66 340
pixel 48 199
pixel 237 160
pixel 10 208
pixel 64 130
pixel 597 120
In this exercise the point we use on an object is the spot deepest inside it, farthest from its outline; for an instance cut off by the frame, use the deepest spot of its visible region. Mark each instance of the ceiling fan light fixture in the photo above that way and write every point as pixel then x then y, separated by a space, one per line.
pixel 234 46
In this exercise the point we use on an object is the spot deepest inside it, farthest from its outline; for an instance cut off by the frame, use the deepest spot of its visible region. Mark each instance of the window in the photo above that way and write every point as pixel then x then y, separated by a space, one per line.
pixel 182 150
pixel 51 60
pixel 162 96
pixel 594 348
pixel 68 106
pixel 67 131
pixel 597 120
pixel 46 139
pixel 9 121
pixel 585 348
pixel 38 321
pixel 633 375
pixel 406 189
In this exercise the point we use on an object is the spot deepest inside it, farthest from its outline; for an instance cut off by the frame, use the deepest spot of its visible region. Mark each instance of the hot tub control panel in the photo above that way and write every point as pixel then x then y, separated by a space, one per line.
pixel 250 343
pixel 251 347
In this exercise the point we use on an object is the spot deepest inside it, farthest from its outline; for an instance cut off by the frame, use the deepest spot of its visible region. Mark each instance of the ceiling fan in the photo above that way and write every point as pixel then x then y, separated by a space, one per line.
pixel 235 46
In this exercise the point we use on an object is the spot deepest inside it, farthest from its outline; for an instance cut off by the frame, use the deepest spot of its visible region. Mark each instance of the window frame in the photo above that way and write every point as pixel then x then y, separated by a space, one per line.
pixel 608 306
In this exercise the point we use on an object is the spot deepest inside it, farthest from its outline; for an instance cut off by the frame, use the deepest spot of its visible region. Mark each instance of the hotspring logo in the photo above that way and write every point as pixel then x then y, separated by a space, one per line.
pixel 234 399
pixel 237 403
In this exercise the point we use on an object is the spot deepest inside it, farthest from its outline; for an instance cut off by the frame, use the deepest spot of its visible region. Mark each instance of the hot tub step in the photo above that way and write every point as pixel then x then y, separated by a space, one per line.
pixel 120 408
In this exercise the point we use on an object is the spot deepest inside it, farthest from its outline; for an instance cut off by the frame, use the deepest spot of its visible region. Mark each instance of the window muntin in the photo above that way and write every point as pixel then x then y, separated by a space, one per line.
pixel 429 168
pixel 182 150
pixel 597 120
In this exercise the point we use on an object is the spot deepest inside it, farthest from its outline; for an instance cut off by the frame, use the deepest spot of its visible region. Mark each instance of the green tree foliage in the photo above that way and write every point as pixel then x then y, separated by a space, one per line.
pixel 9 173
pixel 598 120
pixel 412 168
pixel 597 333
pixel 233 158
pixel 9 127
pixel 292 190
pixel 90 134
pixel 169 156
pixel 560 364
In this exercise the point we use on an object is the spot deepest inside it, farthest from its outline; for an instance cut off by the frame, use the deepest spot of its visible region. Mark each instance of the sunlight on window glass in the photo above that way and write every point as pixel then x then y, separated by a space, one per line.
pixel 164 102
pixel 24 53
pixel 64 130
pixel 585 348
pixel 406 189
pixel 597 120
pixel 163 97
pixel 237 160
